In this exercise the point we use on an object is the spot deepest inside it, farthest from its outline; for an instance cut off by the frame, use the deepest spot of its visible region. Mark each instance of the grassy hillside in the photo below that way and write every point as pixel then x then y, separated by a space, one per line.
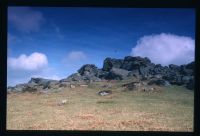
pixel 167 109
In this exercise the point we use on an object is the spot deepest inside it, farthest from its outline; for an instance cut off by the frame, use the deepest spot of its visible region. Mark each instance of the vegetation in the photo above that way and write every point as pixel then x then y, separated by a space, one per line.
pixel 169 109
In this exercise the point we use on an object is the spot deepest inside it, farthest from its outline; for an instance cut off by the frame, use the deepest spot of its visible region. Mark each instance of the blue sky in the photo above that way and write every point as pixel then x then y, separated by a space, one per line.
pixel 56 42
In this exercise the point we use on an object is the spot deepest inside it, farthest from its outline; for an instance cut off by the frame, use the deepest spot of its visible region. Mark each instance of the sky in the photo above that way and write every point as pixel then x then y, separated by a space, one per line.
pixel 53 43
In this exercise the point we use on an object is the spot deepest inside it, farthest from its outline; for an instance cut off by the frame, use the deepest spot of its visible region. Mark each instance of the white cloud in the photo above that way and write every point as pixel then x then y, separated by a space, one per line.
pixel 34 61
pixel 165 49
pixel 25 19
pixel 76 56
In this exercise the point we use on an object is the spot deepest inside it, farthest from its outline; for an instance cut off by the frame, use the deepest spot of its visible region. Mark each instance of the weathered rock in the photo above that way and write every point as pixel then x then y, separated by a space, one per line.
pixel 102 74
pixel 130 63
pixel 104 92
pixel 134 73
pixel 190 85
pixel 117 69
pixel 174 67
pixel 73 77
pixel 117 74
pixel 159 82
pixel 132 86
pixel 147 89
pixel 109 63
pixel 88 70
pixel 186 79
pixel 185 70
pixel 190 65
pixel 40 81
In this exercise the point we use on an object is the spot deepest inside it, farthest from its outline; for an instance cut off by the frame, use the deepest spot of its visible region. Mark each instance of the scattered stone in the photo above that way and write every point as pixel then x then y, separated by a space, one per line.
pixel 105 92
pixel 132 86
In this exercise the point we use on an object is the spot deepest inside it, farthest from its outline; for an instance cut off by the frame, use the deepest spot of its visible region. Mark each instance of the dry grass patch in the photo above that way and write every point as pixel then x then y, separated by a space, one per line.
pixel 169 110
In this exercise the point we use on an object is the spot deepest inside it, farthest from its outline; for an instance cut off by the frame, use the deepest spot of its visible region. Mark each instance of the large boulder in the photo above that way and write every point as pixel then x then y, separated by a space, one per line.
pixel 186 79
pixel 109 63
pixel 88 69
pixel 159 82
pixel 104 92
pixel 158 69
pixel 40 81
pixel 27 87
pixel 134 73
pixel 187 70
pixel 174 67
pixel 190 65
pixel 102 74
pixel 190 85
pixel 132 86
pixel 117 74
pixel 73 77
pixel 130 63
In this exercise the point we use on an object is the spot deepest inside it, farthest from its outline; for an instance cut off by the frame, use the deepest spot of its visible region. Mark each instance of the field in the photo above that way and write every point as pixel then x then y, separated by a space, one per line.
pixel 169 109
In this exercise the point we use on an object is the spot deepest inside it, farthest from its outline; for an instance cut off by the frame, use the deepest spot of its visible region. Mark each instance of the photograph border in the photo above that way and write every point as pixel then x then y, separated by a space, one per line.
pixel 94 3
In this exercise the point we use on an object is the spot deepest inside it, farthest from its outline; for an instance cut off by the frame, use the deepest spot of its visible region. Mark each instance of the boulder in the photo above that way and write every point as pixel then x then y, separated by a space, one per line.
pixel 190 85
pixel 109 63
pixel 190 65
pixel 102 74
pixel 174 67
pixel 132 86
pixel 130 63
pixel 159 82
pixel 186 79
pixel 144 71
pixel 134 73
pixel 41 82
pixel 73 77
pixel 117 74
pixel 147 89
pixel 104 92
pixel 159 70
pixel 88 69
pixel 186 71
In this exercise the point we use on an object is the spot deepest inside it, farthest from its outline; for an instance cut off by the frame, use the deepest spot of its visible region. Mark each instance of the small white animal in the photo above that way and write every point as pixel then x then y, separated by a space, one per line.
pixel 64 101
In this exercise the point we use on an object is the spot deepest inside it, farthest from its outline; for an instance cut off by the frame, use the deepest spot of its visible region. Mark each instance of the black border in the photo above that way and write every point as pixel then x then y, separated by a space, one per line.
pixel 94 3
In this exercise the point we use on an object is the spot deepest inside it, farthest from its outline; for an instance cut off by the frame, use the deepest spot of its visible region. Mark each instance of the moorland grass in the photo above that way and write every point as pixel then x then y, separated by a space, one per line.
pixel 169 109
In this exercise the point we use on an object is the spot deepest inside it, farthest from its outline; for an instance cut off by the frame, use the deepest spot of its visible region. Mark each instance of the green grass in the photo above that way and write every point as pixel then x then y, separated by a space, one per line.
pixel 170 109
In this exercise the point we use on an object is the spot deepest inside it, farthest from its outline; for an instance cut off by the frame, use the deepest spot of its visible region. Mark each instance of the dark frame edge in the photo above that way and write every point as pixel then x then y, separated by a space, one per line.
pixel 3 77
pixel 105 3
pixel 3 69
pixel 197 78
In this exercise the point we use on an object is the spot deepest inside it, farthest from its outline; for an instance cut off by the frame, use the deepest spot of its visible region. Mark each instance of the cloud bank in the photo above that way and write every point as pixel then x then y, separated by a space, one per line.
pixel 34 61
pixel 25 19
pixel 76 56
pixel 165 49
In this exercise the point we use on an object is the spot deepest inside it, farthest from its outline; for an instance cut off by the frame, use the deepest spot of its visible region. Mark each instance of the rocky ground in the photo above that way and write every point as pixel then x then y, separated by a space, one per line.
pixel 135 69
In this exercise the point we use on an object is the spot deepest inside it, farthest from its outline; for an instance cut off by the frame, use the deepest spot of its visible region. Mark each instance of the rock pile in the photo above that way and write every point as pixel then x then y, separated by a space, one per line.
pixel 119 69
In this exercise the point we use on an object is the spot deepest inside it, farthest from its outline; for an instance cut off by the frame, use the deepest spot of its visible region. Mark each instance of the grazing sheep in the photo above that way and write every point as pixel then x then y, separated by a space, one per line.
pixel 62 102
